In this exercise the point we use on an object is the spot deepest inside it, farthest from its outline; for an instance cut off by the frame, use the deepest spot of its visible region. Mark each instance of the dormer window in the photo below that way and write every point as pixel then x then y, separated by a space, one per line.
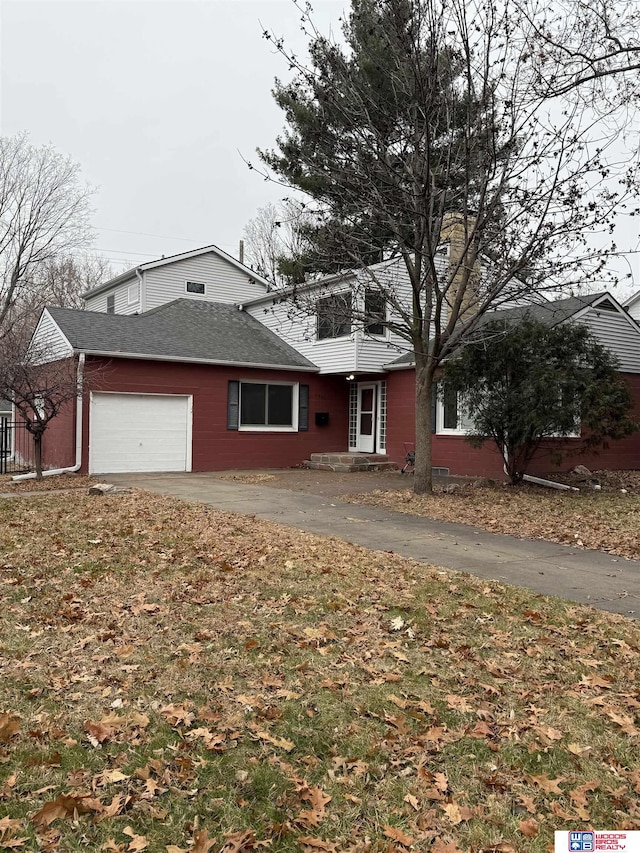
pixel 196 287
pixel 111 304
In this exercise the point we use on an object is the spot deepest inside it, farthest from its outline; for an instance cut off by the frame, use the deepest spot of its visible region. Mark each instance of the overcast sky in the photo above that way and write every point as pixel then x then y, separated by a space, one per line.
pixel 158 101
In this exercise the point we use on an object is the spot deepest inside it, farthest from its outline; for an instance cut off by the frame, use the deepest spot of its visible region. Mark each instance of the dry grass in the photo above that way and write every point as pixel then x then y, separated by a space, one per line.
pixel 172 674
pixel 606 521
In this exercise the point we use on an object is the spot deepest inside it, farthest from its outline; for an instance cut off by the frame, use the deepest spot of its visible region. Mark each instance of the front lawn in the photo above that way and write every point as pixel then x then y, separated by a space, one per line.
pixel 174 678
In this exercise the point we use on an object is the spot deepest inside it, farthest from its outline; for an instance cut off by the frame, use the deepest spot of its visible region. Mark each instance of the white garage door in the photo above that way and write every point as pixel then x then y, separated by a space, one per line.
pixel 139 432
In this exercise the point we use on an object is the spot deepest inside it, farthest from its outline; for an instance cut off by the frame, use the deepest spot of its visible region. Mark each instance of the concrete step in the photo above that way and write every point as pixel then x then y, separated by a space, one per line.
pixel 346 463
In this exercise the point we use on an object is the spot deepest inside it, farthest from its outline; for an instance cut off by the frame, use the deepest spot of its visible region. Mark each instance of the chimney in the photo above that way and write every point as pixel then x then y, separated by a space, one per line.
pixel 454 232
pixel 241 252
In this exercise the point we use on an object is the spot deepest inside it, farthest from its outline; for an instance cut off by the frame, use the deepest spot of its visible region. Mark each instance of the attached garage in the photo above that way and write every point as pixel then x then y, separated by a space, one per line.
pixel 139 432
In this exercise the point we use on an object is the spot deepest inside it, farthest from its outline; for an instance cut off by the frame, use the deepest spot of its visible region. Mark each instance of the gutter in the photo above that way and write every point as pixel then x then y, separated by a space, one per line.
pixel 72 468
pixel 538 481
pixel 312 368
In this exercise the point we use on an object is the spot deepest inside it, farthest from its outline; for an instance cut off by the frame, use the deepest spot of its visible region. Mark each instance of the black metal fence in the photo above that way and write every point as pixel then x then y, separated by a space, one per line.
pixel 16 447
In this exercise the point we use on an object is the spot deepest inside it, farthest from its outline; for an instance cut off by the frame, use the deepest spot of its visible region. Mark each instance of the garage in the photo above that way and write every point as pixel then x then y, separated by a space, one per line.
pixel 139 432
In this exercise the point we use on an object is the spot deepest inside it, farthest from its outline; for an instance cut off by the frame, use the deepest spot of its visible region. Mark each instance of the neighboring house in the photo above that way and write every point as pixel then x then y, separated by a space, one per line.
pixel 202 367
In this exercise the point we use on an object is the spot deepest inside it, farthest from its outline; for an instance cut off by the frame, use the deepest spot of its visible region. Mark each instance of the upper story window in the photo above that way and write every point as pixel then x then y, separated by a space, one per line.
pixel 111 304
pixel 334 316
pixel 375 309
pixel 133 293
pixel 196 287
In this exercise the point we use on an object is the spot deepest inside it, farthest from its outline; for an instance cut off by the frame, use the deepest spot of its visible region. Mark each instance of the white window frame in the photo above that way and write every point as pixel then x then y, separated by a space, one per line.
pixel 133 293
pixel 192 292
pixel 440 427
pixel 441 430
pixel 295 386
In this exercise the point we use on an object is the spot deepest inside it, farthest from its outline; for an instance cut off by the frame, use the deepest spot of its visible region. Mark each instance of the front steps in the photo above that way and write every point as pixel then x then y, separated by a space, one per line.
pixel 348 463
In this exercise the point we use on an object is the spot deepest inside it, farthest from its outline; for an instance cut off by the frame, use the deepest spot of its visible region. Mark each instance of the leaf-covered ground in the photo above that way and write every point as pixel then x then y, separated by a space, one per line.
pixel 174 678
pixel 606 521
pixel 46 484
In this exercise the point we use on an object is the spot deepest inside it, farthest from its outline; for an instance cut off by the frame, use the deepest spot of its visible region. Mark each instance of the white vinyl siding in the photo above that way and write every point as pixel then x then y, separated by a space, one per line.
pixel 357 352
pixel 48 343
pixel 223 282
pixel 617 334
pixel 139 432
pixel 634 308
pixel 334 355
pixel 121 294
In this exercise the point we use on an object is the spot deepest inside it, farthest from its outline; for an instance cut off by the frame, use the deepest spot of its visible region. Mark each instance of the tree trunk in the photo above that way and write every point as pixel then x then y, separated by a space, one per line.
pixel 37 444
pixel 423 476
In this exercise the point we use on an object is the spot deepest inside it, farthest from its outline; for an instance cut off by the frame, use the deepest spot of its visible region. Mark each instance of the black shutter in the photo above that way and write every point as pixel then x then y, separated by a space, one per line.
pixel 434 403
pixel 303 407
pixel 233 404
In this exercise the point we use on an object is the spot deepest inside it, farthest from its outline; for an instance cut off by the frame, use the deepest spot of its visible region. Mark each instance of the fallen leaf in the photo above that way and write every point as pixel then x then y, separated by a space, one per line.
pixel 452 811
pixel 238 842
pixel 439 846
pixel 398 835
pixel 9 726
pixel 551 786
pixel 201 842
pixel 310 844
pixel 576 749
pixel 414 802
pixel 138 842
pixel 62 806
pixel 528 827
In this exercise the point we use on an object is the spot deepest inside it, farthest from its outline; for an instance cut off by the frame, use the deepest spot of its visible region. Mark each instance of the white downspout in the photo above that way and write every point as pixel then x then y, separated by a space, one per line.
pixel 538 481
pixel 73 468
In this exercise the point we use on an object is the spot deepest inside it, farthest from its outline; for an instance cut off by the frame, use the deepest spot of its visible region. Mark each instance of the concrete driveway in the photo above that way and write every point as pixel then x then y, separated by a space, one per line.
pixel 587 577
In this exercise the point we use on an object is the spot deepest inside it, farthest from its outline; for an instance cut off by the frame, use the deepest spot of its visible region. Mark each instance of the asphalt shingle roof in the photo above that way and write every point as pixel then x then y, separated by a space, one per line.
pixel 552 313
pixel 183 329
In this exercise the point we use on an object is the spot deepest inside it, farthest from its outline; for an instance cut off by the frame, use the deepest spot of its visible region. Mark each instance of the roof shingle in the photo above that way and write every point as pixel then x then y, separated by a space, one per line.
pixel 183 329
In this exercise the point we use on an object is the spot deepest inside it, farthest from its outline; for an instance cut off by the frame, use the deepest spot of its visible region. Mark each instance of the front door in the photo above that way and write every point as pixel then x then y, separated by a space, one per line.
pixel 366 418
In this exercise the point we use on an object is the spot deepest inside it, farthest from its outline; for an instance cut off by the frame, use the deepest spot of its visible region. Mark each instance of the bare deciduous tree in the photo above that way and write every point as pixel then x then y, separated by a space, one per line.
pixel 435 120
pixel 39 384
pixel 273 238
pixel 44 214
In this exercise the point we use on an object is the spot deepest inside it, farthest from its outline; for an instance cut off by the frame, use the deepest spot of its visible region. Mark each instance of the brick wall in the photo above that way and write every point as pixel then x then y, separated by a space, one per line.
pixel 214 446
pixel 455 453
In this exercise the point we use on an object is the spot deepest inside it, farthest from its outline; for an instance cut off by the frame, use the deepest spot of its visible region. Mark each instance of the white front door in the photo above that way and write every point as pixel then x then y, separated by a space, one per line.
pixel 367 405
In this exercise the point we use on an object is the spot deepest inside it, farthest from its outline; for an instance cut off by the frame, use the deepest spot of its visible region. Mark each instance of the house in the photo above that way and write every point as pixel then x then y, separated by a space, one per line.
pixel 201 366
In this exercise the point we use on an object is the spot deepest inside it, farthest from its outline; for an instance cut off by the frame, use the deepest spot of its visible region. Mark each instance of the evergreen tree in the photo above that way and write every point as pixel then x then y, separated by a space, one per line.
pixel 429 123
pixel 531 387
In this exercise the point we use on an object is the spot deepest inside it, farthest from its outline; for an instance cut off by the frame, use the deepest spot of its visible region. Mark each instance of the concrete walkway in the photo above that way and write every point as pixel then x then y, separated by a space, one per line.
pixel 588 577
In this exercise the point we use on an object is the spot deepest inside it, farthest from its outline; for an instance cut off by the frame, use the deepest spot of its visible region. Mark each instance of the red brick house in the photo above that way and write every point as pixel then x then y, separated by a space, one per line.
pixel 202 367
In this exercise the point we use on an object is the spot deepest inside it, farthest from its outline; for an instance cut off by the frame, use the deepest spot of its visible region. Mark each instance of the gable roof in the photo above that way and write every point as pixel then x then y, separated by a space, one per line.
pixel 182 330
pixel 552 313
pixel 182 256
